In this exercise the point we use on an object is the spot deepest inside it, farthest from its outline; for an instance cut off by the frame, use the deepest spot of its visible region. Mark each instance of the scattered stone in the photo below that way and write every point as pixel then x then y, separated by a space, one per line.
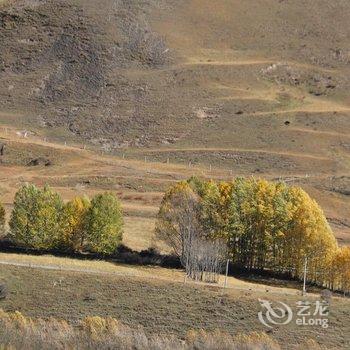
pixel 89 298
pixel 326 295
pixel 3 291
pixel 39 161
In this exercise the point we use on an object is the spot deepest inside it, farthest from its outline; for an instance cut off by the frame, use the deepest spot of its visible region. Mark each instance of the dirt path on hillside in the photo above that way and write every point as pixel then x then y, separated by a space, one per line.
pixel 320 132
pixel 212 149
pixel 202 60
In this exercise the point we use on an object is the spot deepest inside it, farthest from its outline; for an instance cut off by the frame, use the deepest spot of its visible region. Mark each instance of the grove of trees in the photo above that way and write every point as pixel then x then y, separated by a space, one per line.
pixel 41 220
pixel 265 225
pixel 259 225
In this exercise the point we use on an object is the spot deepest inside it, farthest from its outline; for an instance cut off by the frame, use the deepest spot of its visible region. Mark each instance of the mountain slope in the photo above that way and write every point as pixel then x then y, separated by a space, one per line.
pixel 254 87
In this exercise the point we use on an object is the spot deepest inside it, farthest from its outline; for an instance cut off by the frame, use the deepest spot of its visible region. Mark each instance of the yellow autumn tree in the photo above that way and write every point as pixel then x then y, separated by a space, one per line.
pixel 307 235
pixel 178 216
pixel 74 214
pixel 340 270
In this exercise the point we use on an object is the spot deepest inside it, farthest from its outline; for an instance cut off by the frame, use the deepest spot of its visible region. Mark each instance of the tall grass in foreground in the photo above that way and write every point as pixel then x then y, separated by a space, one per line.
pixel 19 332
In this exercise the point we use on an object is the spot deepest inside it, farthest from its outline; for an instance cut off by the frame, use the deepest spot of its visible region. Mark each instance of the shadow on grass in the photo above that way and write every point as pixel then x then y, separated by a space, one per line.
pixel 123 255
pixel 151 257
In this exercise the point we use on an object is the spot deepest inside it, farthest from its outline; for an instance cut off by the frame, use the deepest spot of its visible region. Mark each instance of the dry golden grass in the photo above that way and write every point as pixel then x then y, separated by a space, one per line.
pixel 93 332
pixel 139 234
pixel 91 266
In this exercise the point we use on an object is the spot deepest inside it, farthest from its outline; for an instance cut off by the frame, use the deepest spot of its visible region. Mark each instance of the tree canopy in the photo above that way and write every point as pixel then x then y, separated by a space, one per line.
pixel 74 217
pixel 36 217
pixel 104 223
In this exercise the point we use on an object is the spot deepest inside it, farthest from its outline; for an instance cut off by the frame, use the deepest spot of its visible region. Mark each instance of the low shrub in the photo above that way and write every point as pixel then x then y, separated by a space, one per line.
pixel 19 332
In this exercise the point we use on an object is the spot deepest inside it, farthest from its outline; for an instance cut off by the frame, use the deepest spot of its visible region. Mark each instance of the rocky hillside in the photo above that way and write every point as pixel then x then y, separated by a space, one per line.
pixel 256 87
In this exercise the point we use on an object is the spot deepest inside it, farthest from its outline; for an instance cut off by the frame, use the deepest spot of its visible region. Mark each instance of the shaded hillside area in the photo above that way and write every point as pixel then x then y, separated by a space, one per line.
pixel 250 87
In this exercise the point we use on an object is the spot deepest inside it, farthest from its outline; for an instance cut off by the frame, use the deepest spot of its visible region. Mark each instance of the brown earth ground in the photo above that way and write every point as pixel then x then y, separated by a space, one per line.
pixel 252 88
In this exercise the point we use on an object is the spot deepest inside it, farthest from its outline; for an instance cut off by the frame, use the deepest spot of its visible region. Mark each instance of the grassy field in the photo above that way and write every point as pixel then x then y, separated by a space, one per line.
pixel 148 272
pixel 262 95
pixel 159 305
